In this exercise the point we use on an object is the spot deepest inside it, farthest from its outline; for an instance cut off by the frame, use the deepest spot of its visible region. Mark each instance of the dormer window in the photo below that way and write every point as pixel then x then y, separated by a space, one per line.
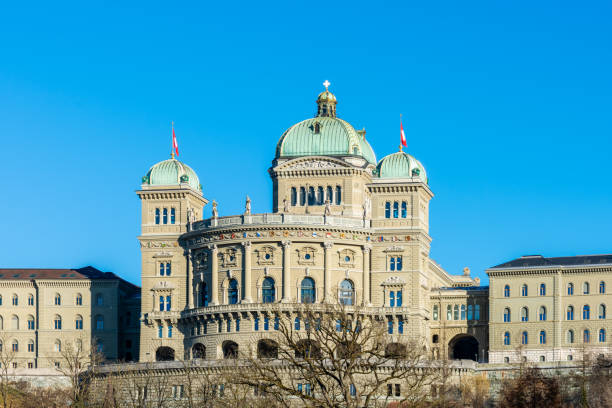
pixel 317 128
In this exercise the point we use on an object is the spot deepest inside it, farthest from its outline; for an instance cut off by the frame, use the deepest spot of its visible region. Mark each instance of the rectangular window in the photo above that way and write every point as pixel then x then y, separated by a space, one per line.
pixel 404 212
pixel 267 324
pixel 161 303
pixel 168 303
pixel 31 301
pixel 165 218
pixel 397 390
pixel 229 326
pixel 353 390
pixel 400 327
pixel 389 390
pixel 162 269
pixel 276 323
pixel 168 268
pixel 169 332
pixel 390 328
pixel 157 216
pixel 387 209
pixel 307 389
pixel 160 332
pixel 172 216
pixel 31 347
pixel 477 312
pixel 256 324
pixel 391 299
pixel 299 387
pixel 220 323
pixel 237 325
pixel 392 264
pixel 398 298
pixel 398 263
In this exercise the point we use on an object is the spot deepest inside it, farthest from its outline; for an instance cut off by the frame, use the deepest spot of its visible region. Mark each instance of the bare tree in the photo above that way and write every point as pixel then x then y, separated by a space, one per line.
pixel 337 356
pixel 7 356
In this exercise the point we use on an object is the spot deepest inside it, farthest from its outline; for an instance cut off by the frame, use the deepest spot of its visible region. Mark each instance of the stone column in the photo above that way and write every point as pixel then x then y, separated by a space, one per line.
pixel 327 274
pixel 214 262
pixel 190 286
pixel 366 275
pixel 248 287
pixel 286 271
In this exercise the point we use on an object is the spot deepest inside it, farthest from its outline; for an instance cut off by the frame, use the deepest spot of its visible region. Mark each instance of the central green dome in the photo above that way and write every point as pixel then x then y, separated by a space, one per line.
pixel 172 172
pixel 324 135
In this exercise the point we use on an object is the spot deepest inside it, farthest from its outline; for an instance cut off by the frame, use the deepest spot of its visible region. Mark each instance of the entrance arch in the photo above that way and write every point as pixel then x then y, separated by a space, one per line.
pixel 463 347
pixel 198 351
pixel 164 354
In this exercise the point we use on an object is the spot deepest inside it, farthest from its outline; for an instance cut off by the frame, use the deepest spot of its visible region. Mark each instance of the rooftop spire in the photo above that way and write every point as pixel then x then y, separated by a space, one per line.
pixel 327 102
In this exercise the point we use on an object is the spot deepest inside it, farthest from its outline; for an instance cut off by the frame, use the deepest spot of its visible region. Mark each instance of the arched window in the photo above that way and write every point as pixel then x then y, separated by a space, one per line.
pixel 165 216
pixel 338 195
pixel 157 216
pixel 586 312
pixel 232 292
pixel 15 346
pixel 570 289
pixel 79 299
pixel 570 313
pixel 293 196
pixel 602 287
pixel 602 311
pixel 507 315
pixel 524 314
pixel 57 322
pixel 449 312
pixel 302 196
pixel 524 338
pixel 297 323
pixel 198 351
pixel 524 290
pixel 78 322
pixel 542 314
pixel 477 312
pixel 15 323
pixel 542 337
pixel 602 335
pixel 586 288
pixel 506 291
pixel 330 195
pixel 570 336
pixel 456 312
pixel 436 312
pixel 230 349
pixel 99 300
pixel 99 322
pixel 267 290
pixel 391 299
pixel 506 339
pixel 347 293
pixel 31 346
pixel 30 300
pixel 320 196
pixel 203 295
pixel 15 300
pixel 31 323
pixel 307 290
pixel 58 299
pixel 542 289
pixel 404 209
pixel 395 209
pixel 1 323
pixel 586 336
pixel 57 346
pixel 311 196
pixel 387 209
pixel 462 312
pixel 172 216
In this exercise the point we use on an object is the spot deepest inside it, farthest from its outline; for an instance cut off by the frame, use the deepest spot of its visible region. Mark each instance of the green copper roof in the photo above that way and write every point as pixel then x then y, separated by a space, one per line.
pixel 172 172
pixel 334 137
pixel 401 165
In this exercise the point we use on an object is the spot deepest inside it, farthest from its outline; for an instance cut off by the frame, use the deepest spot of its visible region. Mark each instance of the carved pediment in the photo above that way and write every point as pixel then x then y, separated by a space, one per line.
pixel 318 163
pixel 394 280
pixel 394 248
pixel 160 286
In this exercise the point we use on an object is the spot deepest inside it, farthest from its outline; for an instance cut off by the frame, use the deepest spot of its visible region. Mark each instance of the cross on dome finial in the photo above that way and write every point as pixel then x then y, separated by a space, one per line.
pixel 326 84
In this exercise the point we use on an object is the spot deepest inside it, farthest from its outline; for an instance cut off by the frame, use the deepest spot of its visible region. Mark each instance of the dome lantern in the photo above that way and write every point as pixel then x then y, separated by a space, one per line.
pixel 327 103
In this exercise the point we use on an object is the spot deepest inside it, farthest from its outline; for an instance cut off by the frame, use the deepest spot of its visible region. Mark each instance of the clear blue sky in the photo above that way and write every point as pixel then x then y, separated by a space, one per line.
pixel 507 104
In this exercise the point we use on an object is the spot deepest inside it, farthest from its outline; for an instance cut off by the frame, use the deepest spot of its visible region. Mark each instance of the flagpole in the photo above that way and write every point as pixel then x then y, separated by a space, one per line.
pixel 172 143
pixel 400 146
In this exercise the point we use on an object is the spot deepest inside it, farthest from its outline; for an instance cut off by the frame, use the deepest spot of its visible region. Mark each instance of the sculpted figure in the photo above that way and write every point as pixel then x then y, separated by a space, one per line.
pixel 247 206
pixel 285 205
pixel 215 212
pixel 327 207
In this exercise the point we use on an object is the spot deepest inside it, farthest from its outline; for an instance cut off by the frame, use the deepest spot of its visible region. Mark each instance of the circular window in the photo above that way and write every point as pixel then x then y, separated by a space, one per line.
pixel 307 256
pixel 347 258
pixel 267 256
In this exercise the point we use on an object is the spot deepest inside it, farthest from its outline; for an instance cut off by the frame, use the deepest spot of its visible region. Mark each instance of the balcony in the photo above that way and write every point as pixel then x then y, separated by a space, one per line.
pixel 268 219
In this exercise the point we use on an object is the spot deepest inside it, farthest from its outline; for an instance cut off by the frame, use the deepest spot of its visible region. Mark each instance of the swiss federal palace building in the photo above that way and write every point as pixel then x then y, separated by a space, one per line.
pixel 344 227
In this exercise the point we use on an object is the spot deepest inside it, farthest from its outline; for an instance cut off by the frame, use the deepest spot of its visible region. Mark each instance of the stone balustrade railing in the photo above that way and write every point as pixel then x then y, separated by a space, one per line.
pixel 280 219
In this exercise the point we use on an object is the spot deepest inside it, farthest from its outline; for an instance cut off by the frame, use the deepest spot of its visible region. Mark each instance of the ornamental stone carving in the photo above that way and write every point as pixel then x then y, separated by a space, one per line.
pixel 394 248
pixel 394 280
pixel 313 164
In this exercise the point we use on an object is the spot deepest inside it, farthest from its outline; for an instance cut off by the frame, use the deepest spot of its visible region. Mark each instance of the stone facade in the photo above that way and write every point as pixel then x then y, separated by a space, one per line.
pixel 43 310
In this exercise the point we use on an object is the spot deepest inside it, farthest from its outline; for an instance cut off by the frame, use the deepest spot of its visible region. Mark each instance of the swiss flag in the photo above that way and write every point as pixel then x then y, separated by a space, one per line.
pixel 402 134
pixel 175 144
